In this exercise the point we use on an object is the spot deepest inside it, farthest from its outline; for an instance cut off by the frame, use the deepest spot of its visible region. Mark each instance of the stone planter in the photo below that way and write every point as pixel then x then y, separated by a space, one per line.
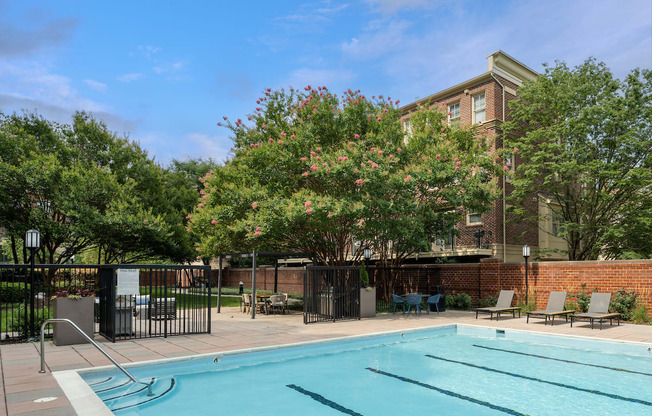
pixel 81 312
pixel 368 302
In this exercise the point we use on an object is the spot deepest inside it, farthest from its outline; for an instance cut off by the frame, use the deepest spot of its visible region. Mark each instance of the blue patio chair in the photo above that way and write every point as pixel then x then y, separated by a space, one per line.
pixel 398 300
pixel 414 299
pixel 433 300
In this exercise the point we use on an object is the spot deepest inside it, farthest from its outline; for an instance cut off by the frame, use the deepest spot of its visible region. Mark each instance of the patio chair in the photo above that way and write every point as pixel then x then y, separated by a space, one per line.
pixel 276 301
pixel 433 300
pixel 285 301
pixel 245 302
pixel 504 304
pixel 414 299
pixel 598 310
pixel 398 300
pixel 555 307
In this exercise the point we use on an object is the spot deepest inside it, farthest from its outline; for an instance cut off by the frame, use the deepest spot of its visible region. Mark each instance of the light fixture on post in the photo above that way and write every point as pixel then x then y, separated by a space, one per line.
pixel 526 254
pixel 478 234
pixel 367 255
pixel 33 243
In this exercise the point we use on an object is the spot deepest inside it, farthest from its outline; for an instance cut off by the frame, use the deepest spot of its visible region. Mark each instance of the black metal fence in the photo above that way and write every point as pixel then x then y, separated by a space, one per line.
pixel 331 294
pixel 404 280
pixel 159 301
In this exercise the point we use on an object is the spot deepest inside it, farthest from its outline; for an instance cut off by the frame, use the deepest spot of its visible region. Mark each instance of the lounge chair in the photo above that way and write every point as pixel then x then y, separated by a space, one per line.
pixel 555 307
pixel 246 302
pixel 504 304
pixel 598 310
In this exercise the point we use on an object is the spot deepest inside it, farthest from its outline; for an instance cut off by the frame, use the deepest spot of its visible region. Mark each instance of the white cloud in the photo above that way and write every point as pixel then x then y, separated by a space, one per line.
pixel 148 51
pixel 392 6
pixel 130 77
pixel 215 147
pixel 96 85
pixel 169 67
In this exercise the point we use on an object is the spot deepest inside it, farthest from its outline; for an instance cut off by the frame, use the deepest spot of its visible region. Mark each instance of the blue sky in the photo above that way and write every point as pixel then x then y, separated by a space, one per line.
pixel 164 73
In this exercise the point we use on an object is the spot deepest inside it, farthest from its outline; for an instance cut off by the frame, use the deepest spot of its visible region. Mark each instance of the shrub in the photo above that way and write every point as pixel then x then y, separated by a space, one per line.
pixel 639 315
pixel 580 300
pixel 488 302
pixel 624 303
pixel 364 276
pixel 13 292
pixel 458 301
pixel 18 320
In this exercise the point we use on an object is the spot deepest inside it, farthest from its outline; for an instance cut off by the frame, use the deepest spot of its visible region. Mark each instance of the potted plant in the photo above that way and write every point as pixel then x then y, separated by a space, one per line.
pixel 367 295
pixel 76 304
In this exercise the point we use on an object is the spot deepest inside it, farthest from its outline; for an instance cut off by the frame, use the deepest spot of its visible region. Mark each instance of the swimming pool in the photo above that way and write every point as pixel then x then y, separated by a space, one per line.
pixel 452 370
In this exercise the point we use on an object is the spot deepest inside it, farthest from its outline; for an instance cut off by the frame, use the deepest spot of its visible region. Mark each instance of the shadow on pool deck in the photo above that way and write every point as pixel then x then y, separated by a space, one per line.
pixel 21 383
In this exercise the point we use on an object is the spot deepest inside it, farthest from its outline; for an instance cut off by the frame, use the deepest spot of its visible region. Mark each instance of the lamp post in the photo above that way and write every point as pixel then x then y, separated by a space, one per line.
pixel 33 243
pixel 367 255
pixel 526 254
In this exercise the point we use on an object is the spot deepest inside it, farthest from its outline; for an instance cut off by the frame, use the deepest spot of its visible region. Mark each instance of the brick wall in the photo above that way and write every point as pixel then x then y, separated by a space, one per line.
pixel 290 279
pixel 488 277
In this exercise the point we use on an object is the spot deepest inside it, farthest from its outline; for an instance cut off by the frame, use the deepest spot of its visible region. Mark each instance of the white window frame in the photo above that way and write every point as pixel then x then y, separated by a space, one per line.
pixel 454 120
pixel 511 160
pixel 477 110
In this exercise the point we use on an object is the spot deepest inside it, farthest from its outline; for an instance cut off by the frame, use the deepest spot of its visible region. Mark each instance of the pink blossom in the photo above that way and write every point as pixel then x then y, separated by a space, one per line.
pixel 457 168
pixel 379 119
pixel 305 173
pixel 429 170
pixel 330 214
pixel 455 160
pixel 271 140
pixel 438 156
pixel 357 136
pixel 188 216
pixel 380 152
pixel 43 167
pixel 318 149
pixel 359 181
pixel 188 229
pixel 346 158
pixel 325 164
pixel 516 150
pixel 280 142
pixel 197 249
pixel 374 165
pixel 506 168
pixel 200 205
pixel 407 178
pixel 283 134
pixel 373 149
pixel 364 156
pixel 458 163
pixel 214 222
pixel 219 123
pixel 257 108
pixel 397 101
pixel 317 157
pixel 314 167
pixel 198 257
pixel 303 159
pixel 225 117
pixel 362 165
pixel 145 221
pixel 340 158
pixel 292 137
pixel 257 228
pixel 256 233
pixel 254 205
pixel 509 163
pixel 312 154
pixel 307 204
pixel 399 150
pixel 309 211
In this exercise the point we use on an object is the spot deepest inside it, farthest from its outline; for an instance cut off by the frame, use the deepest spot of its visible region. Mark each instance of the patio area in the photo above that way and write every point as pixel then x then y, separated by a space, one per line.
pixel 21 385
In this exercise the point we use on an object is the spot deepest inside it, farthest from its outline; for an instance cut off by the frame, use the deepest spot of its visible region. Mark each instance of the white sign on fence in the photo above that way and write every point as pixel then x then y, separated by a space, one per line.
pixel 128 282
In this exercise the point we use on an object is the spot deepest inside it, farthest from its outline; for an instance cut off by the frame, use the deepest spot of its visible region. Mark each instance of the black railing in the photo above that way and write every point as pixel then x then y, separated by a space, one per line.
pixel 168 300
pixel 331 294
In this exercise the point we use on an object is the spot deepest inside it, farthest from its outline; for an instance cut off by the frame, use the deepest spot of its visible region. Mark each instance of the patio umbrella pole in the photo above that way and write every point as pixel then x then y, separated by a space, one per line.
pixel 253 285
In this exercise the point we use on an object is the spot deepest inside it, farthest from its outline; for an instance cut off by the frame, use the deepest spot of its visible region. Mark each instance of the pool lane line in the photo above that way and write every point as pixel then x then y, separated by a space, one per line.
pixel 129 394
pixel 554 383
pixel 321 399
pixel 149 400
pixel 449 393
pixel 564 361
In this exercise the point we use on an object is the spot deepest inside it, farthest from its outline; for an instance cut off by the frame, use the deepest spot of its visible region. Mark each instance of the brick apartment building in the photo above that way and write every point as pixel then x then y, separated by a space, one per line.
pixel 483 101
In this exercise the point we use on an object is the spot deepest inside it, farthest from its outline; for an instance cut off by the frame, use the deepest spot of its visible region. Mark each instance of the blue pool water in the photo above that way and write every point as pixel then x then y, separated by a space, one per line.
pixel 452 371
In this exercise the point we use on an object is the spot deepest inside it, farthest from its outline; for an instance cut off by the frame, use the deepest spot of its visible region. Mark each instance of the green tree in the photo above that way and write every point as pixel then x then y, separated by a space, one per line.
pixel 586 141
pixel 316 173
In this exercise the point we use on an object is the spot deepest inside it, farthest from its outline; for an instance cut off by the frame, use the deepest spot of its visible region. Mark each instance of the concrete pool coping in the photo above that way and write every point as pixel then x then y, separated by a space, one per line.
pixel 234 331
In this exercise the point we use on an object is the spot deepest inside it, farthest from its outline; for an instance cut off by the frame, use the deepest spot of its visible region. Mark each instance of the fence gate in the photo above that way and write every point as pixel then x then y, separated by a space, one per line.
pixel 331 294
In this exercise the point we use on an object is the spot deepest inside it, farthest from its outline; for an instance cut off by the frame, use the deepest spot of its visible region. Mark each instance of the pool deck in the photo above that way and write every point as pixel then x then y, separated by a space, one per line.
pixel 21 384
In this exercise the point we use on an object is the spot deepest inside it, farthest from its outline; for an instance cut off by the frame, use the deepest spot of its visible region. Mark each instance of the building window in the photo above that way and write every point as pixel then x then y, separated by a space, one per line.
pixel 510 164
pixel 407 128
pixel 445 243
pixel 479 113
pixel 473 218
pixel 557 222
pixel 454 114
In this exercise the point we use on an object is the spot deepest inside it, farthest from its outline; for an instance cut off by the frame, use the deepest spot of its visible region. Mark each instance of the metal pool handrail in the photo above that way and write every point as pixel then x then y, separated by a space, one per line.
pixel 121 368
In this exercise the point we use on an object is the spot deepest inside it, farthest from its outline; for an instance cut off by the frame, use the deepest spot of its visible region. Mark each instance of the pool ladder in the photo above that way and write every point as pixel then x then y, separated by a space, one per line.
pixel 121 368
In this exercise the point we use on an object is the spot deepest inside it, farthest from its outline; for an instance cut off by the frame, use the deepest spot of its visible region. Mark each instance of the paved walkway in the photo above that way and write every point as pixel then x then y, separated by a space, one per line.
pixel 21 384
